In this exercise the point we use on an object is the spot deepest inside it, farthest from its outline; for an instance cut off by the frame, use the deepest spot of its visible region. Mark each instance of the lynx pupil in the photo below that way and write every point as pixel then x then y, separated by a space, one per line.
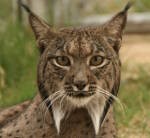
pixel 96 60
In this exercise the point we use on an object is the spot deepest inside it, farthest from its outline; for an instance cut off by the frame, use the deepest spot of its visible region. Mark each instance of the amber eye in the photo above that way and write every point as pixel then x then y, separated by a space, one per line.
pixel 63 61
pixel 96 60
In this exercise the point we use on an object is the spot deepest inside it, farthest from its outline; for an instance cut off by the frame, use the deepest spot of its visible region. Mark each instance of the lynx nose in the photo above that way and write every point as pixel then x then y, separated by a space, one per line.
pixel 80 85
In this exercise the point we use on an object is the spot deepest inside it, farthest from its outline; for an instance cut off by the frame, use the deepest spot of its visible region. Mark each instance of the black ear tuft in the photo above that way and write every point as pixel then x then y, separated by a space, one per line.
pixel 128 6
pixel 26 7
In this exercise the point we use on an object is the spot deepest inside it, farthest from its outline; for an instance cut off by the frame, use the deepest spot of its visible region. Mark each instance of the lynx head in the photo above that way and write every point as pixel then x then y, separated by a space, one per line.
pixel 79 67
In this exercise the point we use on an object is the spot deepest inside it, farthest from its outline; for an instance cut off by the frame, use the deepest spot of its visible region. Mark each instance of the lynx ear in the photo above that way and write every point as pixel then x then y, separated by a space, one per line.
pixel 42 31
pixel 114 28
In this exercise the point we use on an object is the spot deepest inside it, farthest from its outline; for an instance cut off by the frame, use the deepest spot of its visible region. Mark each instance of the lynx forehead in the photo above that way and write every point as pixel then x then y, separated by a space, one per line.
pixel 80 47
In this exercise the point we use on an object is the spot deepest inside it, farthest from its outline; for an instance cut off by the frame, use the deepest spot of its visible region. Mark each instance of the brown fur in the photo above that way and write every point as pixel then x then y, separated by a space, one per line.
pixel 6 115
pixel 31 124
pixel 78 78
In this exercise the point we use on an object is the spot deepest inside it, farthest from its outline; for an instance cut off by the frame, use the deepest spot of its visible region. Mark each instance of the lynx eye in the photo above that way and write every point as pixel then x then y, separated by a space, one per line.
pixel 63 61
pixel 96 61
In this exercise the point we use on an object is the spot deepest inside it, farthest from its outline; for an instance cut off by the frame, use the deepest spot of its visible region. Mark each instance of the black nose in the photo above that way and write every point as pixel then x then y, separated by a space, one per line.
pixel 80 85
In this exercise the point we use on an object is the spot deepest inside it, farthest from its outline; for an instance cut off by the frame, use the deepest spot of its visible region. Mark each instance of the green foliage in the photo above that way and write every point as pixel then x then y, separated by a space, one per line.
pixel 5 9
pixel 18 59
pixel 142 5
pixel 134 94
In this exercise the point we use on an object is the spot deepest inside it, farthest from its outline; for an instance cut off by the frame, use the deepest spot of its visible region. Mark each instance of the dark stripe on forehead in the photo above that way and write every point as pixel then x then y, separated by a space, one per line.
pixel 100 46
pixel 80 47
pixel 97 48
pixel 79 39
pixel 60 42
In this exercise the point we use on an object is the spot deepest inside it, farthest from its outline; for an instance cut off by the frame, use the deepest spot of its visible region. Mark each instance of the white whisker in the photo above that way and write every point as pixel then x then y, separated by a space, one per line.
pixel 112 96
pixel 52 102
pixel 44 106
pixel 63 97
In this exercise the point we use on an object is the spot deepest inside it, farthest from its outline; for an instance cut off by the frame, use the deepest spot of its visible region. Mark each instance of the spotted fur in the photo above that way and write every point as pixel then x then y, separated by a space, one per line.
pixel 76 92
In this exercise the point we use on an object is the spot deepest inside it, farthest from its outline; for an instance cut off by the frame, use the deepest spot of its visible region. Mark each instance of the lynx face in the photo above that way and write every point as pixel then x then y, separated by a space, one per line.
pixel 79 67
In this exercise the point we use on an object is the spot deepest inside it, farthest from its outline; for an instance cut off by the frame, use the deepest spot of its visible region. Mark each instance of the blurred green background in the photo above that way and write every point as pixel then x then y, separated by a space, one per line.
pixel 19 57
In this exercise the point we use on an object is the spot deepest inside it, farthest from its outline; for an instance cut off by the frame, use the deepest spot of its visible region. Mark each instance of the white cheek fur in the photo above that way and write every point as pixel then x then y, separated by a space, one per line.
pixel 94 105
pixel 58 114
pixel 95 110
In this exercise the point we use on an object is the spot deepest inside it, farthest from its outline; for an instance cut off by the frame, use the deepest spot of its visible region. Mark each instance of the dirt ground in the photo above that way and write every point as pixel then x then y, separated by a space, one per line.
pixel 135 49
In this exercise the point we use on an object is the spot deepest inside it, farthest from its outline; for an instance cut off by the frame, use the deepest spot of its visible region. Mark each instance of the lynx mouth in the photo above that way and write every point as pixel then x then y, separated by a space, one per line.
pixel 80 94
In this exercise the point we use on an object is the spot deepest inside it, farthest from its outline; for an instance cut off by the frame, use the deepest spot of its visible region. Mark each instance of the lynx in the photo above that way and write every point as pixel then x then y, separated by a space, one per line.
pixel 78 79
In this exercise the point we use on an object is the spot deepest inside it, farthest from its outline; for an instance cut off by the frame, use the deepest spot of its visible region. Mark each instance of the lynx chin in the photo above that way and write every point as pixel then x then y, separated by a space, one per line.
pixel 78 70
